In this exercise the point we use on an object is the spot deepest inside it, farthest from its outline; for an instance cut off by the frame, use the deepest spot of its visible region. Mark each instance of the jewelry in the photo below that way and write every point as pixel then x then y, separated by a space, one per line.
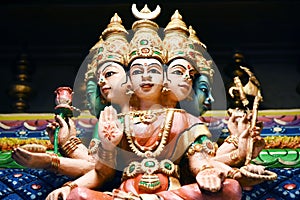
pixel 129 91
pixel 150 166
pixel 107 156
pixel 147 152
pixel 232 139
pixel 234 155
pixel 70 184
pixel 232 172
pixel 207 147
pixel 70 146
pixel 149 180
pixel 55 162
pixel 165 88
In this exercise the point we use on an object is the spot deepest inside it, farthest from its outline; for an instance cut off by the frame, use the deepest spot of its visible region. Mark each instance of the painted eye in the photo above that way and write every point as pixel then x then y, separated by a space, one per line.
pixel 136 72
pixel 154 71
pixel 177 72
pixel 109 74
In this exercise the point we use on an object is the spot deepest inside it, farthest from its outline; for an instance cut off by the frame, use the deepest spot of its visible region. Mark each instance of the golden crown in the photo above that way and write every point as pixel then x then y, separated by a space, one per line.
pixel 115 45
pixel 146 41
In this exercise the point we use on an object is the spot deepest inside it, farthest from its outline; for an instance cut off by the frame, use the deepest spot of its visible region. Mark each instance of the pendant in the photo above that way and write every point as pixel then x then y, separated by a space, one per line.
pixel 148 117
pixel 149 181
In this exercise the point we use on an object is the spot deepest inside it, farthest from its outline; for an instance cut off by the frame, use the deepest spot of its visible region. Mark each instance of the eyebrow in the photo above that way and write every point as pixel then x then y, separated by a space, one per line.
pixel 109 65
pixel 179 65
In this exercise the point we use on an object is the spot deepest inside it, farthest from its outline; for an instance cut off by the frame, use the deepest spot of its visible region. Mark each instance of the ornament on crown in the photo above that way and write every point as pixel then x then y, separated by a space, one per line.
pixel 146 41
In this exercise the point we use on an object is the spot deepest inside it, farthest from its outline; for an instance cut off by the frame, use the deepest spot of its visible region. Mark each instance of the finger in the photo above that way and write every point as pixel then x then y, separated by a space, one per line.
pixel 72 128
pixel 110 113
pixel 101 118
pixel 245 133
pixel 61 121
pixel 105 113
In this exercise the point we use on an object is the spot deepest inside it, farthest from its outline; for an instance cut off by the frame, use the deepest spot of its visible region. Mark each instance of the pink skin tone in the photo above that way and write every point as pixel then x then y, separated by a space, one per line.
pixel 112 81
pixel 180 74
pixel 147 79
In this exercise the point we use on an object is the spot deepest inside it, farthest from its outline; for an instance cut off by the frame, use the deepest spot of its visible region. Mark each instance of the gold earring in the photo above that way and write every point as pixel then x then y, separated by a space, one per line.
pixel 129 91
pixel 165 88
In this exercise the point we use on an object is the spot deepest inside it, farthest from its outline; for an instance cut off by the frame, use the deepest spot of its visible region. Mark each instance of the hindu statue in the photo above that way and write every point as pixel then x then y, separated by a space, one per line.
pixel 102 90
pixel 163 151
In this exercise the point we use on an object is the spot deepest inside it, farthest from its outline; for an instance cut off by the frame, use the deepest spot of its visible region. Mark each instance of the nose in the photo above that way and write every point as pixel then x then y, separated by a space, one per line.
pixel 146 77
pixel 101 81
pixel 209 99
pixel 186 76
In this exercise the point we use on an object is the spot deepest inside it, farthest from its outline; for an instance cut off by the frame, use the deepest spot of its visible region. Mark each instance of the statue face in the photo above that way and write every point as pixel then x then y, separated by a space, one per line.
pixel 111 79
pixel 180 74
pixel 203 93
pixel 146 76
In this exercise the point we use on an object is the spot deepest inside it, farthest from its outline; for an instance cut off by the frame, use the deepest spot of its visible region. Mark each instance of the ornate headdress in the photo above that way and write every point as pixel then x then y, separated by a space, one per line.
pixel 115 45
pixel 177 41
pixel 203 66
pixel 146 41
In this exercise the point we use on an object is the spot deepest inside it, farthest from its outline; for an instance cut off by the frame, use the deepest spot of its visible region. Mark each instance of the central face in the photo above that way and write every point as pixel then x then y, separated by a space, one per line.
pixel 111 78
pixel 180 74
pixel 146 76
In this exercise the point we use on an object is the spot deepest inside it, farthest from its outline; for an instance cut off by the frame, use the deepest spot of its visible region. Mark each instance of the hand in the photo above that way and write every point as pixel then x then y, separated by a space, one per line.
pixel 110 129
pixel 66 127
pixel 238 122
pixel 210 179
pixel 60 193
pixel 31 160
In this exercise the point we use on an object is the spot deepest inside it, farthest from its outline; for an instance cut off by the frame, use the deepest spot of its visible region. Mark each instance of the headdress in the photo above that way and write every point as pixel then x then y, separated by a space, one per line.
pixel 203 66
pixel 146 41
pixel 177 42
pixel 115 45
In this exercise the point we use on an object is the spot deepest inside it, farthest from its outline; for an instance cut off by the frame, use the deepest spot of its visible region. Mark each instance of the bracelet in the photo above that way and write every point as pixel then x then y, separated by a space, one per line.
pixel 204 167
pixel 232 139
pixel 232 172
pixel 70 184
pixel 234 155
pixel 207 147
pixel 70 146
pixel 55 162
pixel 107 156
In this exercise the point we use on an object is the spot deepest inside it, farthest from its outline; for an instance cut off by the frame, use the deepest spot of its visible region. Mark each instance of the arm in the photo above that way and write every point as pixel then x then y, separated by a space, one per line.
pixel 66 166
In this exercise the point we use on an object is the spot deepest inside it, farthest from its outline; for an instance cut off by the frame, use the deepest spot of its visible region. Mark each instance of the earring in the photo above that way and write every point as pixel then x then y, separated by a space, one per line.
pixel 165 88
pixel 129 91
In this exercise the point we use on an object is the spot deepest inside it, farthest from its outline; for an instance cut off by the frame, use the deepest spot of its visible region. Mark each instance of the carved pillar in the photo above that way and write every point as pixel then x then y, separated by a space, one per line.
pixel 21 90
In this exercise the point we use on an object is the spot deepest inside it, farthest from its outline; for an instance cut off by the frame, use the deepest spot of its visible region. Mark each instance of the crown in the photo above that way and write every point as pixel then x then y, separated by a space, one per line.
pixel 146 41
pixel 193 37
pixel 114 45
pixel 204 66
pixel 177 41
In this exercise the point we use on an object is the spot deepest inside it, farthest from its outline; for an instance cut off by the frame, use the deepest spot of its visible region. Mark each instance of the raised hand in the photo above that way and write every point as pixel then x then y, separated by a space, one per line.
pixel 238 122
pixel 110 129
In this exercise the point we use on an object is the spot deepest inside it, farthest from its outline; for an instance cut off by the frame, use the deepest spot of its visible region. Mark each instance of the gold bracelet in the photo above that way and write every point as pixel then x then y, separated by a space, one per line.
pixel 232 140
pixel 234 155
pixel 106 155
pixel 70 184
pixel 204 167
pixel 55 162
pixel 70 146
pixel 233 172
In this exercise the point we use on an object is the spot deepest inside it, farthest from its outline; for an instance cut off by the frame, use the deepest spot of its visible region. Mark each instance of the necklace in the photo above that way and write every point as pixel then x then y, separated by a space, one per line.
pixel 159 144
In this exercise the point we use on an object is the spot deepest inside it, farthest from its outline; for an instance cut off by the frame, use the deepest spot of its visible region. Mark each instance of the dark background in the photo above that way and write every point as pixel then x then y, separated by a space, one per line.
pixel 54 38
